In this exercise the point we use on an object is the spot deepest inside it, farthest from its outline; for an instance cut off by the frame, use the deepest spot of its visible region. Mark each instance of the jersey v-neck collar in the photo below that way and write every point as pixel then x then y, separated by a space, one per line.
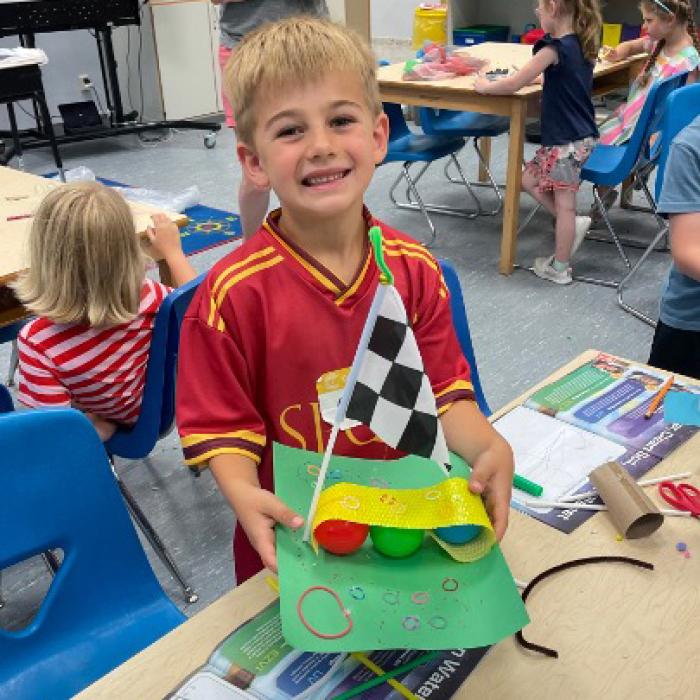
pixel 316 273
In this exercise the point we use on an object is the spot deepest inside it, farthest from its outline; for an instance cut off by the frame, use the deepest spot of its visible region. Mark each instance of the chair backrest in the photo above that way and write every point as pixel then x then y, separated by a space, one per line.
pixel 461 324
pixel 397 123
pixel 682 107
pixel 6 404
pixel 650 119
pixel 158 406
pixel 59 493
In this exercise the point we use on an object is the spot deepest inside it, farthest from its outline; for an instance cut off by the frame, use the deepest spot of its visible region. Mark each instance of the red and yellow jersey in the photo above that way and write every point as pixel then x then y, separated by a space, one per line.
pixel 269 321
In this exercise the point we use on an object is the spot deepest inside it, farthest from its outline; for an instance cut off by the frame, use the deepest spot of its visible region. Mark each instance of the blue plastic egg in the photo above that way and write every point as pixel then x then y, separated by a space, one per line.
pixel 458 534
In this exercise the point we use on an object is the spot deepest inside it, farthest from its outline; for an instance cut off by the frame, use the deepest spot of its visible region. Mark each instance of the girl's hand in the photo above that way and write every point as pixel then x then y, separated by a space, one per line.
pixel 610 54
pixel 482 85
pixel 258 511
pixel 492 476
pixel 164 236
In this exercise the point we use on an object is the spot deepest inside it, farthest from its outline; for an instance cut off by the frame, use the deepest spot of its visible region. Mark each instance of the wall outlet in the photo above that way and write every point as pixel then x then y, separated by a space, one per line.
pixel 84 81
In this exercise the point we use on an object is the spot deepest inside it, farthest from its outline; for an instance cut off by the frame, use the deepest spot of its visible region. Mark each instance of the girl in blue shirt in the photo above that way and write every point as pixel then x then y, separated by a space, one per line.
pixel 565 58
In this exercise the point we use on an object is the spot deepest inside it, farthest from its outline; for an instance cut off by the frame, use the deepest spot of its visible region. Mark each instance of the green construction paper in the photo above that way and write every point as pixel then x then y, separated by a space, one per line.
pixel 484 609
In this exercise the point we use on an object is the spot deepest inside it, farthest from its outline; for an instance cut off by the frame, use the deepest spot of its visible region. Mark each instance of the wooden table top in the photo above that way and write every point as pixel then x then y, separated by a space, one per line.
pixel 621 632
pixel 21 193
pixel 498 55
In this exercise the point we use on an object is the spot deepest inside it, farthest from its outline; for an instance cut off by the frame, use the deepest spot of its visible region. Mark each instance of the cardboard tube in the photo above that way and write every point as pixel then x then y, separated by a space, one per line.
pixel 630 508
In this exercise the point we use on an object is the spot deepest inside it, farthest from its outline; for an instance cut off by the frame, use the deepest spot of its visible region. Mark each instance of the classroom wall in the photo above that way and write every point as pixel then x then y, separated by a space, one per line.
pixel 392 19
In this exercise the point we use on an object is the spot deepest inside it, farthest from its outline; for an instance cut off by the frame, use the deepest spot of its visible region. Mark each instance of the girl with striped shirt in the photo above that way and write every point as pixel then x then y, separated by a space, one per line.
pixel 86 283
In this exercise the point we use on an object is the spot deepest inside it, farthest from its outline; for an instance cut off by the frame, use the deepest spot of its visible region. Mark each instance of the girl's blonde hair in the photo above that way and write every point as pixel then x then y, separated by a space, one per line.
pixel 683 11
pixel 588 24
pixel 280 56
pixel 85 260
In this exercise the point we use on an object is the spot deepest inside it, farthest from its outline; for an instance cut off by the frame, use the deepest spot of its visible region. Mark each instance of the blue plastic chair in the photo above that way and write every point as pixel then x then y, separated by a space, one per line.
pixel 467 125
pixel 682 107
pixel 157 415
pixel 6 404
pixel 104 604
pixel 461 324
pixel 408 148
pixel 611 165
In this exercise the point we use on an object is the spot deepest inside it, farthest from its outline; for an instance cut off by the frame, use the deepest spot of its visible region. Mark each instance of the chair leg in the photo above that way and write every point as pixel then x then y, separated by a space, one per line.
pixel 492 183
pixel 616 240
pixel 155 541
pixel 404 174
pixel 631 274
pixel 439 208
pixel 14 363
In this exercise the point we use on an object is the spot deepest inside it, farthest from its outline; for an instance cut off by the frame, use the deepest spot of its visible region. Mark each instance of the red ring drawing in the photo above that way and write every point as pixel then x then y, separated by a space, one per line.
pixel 305 622
pixel 450 584
pixel 420 597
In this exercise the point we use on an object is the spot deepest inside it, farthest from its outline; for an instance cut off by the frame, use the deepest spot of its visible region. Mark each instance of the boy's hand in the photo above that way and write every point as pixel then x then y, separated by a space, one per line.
pixel 258 511
pixel 492 477
pixel 164 236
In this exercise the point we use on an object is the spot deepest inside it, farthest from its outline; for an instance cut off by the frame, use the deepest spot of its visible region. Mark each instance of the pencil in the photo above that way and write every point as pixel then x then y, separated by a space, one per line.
pixel 659 397
pixel 17 217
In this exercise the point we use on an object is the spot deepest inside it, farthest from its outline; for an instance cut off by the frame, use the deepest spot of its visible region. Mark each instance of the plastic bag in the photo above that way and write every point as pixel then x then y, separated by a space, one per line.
pixel 79 174
pixel 167 201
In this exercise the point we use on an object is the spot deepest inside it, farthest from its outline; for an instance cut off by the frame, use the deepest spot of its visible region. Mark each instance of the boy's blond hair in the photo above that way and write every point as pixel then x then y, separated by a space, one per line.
pixel 294 51
pixel 85 261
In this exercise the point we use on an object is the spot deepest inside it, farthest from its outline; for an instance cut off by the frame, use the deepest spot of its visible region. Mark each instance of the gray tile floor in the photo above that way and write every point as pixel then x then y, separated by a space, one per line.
pixel 523 328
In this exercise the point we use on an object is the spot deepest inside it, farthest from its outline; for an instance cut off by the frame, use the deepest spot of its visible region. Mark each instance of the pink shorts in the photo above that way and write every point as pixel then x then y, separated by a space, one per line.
pixel 559 167
pixel 224 55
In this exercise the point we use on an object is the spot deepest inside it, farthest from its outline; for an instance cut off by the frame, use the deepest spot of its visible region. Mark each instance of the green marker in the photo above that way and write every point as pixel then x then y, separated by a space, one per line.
pixel 520 482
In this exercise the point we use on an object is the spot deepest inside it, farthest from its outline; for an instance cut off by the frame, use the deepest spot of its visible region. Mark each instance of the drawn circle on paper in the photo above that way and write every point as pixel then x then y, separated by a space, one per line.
pixel 449 584
pixel 420 597
pixel 313 469
pixel 350 502
pixel 411 623
pixel 437 622
pixel 378 483
pixel 391 597
pixel 432 495
pixel 357 592
pixel 335 475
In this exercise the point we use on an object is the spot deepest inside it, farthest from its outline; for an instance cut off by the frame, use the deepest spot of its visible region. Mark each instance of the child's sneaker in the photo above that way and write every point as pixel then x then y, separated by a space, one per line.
pixel 583 224
pixel 544 269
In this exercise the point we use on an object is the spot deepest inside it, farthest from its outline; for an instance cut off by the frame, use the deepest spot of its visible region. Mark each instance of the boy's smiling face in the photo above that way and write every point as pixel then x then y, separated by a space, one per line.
pixel 316 144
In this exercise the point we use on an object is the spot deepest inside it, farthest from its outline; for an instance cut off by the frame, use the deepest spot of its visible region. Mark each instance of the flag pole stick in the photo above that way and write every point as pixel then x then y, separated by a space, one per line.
pixel 344 401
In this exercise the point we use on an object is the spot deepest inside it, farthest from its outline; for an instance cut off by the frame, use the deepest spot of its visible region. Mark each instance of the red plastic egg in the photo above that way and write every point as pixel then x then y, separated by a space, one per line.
pixel 341 536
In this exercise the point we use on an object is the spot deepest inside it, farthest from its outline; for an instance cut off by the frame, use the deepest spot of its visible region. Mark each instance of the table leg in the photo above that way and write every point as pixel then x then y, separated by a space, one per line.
pixel 511 208
pixel 485 146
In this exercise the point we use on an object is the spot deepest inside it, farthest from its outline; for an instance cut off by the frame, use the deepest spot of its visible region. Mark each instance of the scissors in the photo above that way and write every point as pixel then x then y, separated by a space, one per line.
pixel 681 496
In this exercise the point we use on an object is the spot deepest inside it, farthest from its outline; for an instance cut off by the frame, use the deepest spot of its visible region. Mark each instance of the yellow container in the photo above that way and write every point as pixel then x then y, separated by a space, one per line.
pixel 430 24
pixel 611 34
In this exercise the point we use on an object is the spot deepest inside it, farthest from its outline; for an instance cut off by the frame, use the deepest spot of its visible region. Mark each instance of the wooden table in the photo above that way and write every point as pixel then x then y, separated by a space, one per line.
pixel 621 632
pixel 459 93
pixel 21 193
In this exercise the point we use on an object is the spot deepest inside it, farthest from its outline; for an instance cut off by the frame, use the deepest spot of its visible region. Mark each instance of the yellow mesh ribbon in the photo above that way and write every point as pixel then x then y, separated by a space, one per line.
pixel 442 505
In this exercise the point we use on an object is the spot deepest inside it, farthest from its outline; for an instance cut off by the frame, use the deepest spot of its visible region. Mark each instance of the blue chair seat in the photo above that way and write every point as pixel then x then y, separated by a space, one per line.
pixel 605 166
pixel 415 148
pixel 464 124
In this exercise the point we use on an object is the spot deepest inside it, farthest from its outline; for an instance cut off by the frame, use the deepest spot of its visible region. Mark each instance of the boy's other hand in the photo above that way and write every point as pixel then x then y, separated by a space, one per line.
pixel 258 512
pixel 492 477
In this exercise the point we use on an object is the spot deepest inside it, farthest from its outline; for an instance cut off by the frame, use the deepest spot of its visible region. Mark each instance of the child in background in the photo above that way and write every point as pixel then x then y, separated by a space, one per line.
pixel 673 47
pixel 238 17
pixel 565 56
pixel 283 313
pixel 676 344
pixel 88 346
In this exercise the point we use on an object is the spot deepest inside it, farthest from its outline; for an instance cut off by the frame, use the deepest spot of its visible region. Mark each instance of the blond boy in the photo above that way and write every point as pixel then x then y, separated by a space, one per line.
pixel 287 307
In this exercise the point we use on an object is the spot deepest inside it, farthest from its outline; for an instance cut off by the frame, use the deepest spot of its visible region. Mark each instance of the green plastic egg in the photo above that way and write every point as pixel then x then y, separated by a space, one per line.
pixel 396 542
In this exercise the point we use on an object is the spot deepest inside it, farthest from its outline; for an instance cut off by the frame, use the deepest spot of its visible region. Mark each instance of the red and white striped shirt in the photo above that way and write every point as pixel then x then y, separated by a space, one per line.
pixel 97 370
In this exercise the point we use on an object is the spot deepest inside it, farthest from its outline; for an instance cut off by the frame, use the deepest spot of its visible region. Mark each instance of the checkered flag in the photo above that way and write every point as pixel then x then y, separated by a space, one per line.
pixel 392 394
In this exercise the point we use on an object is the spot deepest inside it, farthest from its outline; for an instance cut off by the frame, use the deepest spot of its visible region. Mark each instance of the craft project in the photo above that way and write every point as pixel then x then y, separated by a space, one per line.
pixel 398 588
pixel 438 62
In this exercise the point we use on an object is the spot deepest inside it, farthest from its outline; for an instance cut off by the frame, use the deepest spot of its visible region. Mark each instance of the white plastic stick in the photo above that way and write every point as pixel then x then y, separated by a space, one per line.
pixel 595 506
pixel 643 482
